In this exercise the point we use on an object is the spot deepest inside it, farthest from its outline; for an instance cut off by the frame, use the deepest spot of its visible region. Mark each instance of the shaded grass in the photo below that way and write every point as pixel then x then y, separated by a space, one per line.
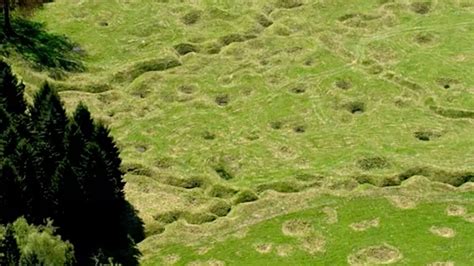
pixel 45 50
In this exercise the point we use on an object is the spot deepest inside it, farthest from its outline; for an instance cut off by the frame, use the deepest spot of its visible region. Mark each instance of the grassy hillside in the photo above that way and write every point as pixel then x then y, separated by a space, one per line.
pixel 235 117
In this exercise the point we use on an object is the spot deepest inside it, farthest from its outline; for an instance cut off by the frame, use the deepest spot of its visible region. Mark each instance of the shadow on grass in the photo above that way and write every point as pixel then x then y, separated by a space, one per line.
pixel 43 49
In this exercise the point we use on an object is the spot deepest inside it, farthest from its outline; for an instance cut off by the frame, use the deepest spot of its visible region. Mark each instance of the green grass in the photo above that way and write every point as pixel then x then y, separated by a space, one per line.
pixel 291 96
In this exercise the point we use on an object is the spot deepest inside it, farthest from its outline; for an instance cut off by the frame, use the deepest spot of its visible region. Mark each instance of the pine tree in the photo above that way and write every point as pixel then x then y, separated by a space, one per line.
pixel 11 91
pixel 10 192
pixel 47 126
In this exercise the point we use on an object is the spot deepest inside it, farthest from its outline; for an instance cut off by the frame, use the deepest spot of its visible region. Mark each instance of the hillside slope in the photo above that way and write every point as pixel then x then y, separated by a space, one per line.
pixel 311 107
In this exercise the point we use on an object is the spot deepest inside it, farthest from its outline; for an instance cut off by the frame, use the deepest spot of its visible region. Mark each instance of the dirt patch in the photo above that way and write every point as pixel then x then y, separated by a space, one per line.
pixel 187 89
pixel 445 232
pixel 447 83
pixel 203 250
pixel 331 215
pixel 207 135
pixel 276 125
pixel 298 89
pixel 288 3
pixel 469 217
pixel 402 202
pixel 284 250
pixel 186 48
pixel 222 100
pixel 171 259
pixel 297 228
pixel 425 38
pixel 223 172
pixel 343 84
pixel 221 191
pixel 263 248
pixel 421 7
pixel 365 225
pixel 456 210
pixel 264 21
pixel 245 196
pixel 383 254
pixel 313 244
pixel 426 135
pixel 191 17
pixel 356 107
pixel 220 208
pixel 373 162
pixel 299 129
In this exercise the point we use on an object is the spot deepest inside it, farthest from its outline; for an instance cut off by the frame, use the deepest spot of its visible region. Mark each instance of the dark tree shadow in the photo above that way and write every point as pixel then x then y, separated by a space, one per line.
pixel 43 49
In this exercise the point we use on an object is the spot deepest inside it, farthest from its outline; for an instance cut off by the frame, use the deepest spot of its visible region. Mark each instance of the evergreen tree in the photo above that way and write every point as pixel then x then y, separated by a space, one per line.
pixel 47 126
pixel 11 205
pixel 11 91
pixel 9 248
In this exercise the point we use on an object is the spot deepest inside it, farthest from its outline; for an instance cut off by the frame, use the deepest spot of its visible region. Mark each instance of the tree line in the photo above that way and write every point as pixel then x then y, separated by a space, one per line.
pixel 64 168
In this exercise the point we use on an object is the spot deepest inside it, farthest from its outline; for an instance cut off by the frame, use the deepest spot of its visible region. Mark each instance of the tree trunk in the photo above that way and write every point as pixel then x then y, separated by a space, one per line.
pixel 7 27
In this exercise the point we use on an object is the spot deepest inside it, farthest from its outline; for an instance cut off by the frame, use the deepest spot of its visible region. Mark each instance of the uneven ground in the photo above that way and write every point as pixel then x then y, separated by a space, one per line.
pixel 284 132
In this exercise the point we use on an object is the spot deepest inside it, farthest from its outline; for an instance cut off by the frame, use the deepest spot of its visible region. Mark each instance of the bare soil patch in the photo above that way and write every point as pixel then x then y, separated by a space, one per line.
pixel 284 250
pixel 313 244
pixel 402 202
pixel 456 210
pixel 264 248
pixel 297 228
pixel 445 232
pixel 373 255
pixel 365 225
pixel 331 215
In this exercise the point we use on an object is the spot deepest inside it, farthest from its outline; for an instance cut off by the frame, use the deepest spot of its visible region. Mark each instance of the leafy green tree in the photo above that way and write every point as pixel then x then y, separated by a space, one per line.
pixel 38 245
pixel 9 251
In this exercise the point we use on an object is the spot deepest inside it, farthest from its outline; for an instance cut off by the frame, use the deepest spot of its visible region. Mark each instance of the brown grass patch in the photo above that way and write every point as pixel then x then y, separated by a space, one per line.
pixel 211 262
pixel 313 244
pixel 442 263
pixel 364 225
pixel 469 217
pixel 382 254
pixel 402 202
pixel 264 248
pixel 456 210
pixel 296 227
pixel 331 215
pixel 445 232
pixel 284 250
pixel 171 259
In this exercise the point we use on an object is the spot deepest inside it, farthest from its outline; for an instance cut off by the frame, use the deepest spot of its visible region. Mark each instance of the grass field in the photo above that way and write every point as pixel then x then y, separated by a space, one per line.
pixel 285 132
